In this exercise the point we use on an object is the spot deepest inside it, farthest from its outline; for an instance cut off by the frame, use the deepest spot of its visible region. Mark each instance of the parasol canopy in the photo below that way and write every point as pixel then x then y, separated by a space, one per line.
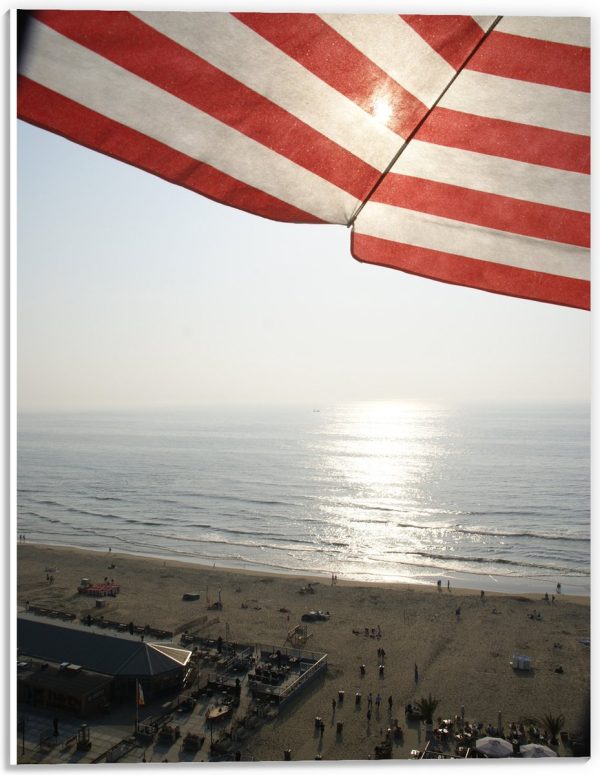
pixel 494 747
pixel 536 751
pixel 455 147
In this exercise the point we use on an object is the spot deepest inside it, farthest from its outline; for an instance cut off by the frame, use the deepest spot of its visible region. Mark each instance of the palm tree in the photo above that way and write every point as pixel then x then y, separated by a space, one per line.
pixel 553 725
pixel 427 707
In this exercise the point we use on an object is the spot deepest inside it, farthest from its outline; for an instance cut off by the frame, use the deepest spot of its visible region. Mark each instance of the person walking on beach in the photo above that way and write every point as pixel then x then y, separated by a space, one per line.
pixel 378 701
pixel 390 704
pixel 416 674
pixel 333 704
pixel 370 701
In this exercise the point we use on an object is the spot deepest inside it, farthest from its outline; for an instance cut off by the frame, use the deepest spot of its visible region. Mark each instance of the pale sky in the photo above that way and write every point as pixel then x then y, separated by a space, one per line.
pixel 135 293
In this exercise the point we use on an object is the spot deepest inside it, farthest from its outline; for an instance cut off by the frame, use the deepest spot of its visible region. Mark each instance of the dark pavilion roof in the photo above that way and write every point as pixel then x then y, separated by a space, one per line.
pixel 99 652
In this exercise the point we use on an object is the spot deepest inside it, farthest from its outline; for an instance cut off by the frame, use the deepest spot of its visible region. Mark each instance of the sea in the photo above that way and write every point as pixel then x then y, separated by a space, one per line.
pixel 495 497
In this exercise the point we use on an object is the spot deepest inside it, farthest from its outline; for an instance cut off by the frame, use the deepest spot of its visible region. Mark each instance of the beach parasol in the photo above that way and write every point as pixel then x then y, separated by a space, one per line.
pixel 494 747
pixel 536 751
pixel 455 147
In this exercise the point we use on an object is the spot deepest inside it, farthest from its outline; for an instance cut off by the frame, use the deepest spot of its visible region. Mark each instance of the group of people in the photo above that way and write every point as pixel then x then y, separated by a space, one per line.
pixel 378 700
pixel 373 632
pixel 482 593
pixel 370 700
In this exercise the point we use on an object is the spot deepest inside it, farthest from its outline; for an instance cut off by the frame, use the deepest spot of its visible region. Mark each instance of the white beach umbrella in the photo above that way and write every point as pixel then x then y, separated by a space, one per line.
pixel 536 751
pixel 494 747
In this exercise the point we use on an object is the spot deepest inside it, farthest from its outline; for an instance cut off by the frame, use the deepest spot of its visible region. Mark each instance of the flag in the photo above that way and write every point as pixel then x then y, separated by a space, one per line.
pixel 455 147
pixel 140 695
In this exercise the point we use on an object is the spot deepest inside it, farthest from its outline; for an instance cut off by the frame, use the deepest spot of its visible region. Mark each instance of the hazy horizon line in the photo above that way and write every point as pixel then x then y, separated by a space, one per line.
pixel 311 405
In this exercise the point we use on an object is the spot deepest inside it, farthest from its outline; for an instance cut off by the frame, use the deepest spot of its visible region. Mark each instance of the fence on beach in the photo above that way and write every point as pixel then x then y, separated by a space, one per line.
pixel 310 665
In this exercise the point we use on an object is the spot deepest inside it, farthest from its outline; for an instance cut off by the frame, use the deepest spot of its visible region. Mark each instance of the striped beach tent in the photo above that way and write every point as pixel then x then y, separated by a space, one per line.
pixel 454 147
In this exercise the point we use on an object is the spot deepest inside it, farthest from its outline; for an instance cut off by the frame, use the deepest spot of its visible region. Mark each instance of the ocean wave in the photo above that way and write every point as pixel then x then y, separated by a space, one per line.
pixel 520 534
pixel 121 519
pixel 41 516
pixel 86 513
pixel 491 533
pixel 251 533
pixel 492 561
pixel 506 513
pixel 176 548
pixel 370 522
pixel 237 498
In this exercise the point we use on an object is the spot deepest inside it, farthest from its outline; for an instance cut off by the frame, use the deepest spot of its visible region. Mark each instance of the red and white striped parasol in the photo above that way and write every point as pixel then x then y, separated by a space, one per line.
pixel 455 147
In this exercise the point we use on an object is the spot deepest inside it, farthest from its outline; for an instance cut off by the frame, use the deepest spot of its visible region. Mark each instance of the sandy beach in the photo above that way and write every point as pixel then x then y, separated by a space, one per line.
pixel 462 659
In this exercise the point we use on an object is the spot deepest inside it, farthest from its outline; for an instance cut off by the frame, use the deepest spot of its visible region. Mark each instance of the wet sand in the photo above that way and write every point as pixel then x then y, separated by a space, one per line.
pixel 463 660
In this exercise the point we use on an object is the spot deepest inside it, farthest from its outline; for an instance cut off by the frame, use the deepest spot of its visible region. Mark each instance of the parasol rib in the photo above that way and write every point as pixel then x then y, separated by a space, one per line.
pixel 418 126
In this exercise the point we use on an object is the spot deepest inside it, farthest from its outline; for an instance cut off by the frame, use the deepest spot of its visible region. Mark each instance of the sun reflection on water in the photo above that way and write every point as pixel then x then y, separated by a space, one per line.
pixel 381 454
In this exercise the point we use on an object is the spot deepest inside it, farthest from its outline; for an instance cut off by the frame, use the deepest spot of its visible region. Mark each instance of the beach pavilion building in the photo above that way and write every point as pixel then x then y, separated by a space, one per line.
pixel 67 665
